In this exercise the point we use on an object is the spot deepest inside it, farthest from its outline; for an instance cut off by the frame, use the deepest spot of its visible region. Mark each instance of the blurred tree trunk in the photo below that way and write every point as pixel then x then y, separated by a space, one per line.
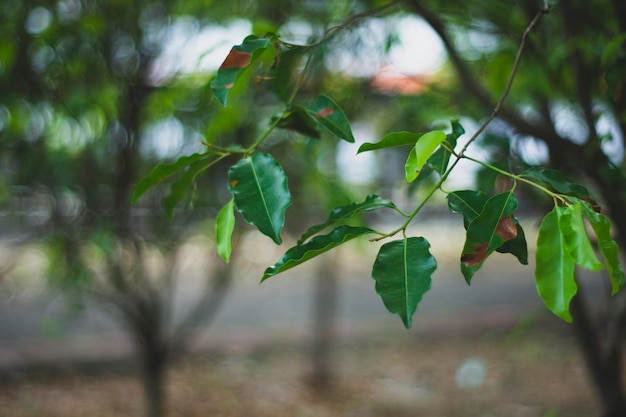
pixel 325 311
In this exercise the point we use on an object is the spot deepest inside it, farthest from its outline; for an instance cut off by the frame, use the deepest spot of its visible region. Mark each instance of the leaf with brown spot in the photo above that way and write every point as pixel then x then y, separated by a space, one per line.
pixel 326 113
pixel 488 231
pixel 506 228
pixel 239 58
pixel 478 254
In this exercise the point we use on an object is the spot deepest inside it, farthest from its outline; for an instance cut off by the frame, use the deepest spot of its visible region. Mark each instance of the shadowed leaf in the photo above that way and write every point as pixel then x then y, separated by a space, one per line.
pixel 371 202
pixel 575 238
pixel 316 246
pixel 607 246
pixel 161 172
pixel 556 180
pixel 180 188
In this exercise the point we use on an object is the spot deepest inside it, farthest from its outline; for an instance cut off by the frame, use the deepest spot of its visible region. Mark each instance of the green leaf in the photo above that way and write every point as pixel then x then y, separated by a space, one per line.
pixel 239 58
pixel 329 115
pixel 371 202
pixel 224 226
pixel 259 185
pixel 161 172
pixel 316 246
pixel 441 158
pixel 181 187
pixel 402 272
pixel 488 231
pixel 391 140
pixel 556 180
pixel 607 246
pixel 554 269
pixel 423 149
pixel 470 203
pixel 575 239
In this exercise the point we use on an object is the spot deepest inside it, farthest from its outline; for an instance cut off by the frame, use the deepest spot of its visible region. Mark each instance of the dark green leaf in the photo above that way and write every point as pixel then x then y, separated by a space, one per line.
pixel 161 172
pixel 371 202
pixel 259 185
pixel 607 246
pixel 239 58
pixel 391 140
pixel 180 188
pixel 298 120
pixel 468 203
pixel 329 115
pixel 285 68
pixel 441 158
pixel 402 272
pixel 556 180
pixel 488 231
pixel 554 269
pixel 316 246
pixel 575 238
pixel 224 226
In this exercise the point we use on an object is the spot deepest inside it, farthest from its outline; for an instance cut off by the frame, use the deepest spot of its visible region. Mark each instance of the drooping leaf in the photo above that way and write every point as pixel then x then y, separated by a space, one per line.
pixel 161 172
pixel 391 140
pixel 328 114
pixel 180 188
pixel 371 202
pixel 607 246
pixel 284 69
pixel 402 272
pixel 298 120
pixel 224 226
pixel 239 58
pixel 259 185
pixel 316 246
pixel 556 180
pixel 488 231
pixel 554 268
pixel 470 203
pixel 575 239
pixel 423 149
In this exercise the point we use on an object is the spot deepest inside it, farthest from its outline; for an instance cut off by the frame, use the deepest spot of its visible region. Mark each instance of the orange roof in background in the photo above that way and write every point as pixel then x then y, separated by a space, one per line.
pixel 389 80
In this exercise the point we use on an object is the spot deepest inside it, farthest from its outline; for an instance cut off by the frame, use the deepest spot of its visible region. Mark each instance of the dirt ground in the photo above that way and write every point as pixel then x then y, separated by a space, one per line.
pixel 511 373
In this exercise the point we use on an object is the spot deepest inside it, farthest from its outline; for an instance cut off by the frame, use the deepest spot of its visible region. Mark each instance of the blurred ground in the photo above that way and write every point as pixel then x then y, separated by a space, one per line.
pixel 486 350
pixel 510 374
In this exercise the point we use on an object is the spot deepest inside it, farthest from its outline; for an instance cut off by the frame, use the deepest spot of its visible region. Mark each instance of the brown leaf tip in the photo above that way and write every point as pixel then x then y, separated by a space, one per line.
pixel 236 59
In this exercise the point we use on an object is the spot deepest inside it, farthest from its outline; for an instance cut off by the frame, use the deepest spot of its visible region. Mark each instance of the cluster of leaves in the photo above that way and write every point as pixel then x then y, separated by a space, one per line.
pixel 403 268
